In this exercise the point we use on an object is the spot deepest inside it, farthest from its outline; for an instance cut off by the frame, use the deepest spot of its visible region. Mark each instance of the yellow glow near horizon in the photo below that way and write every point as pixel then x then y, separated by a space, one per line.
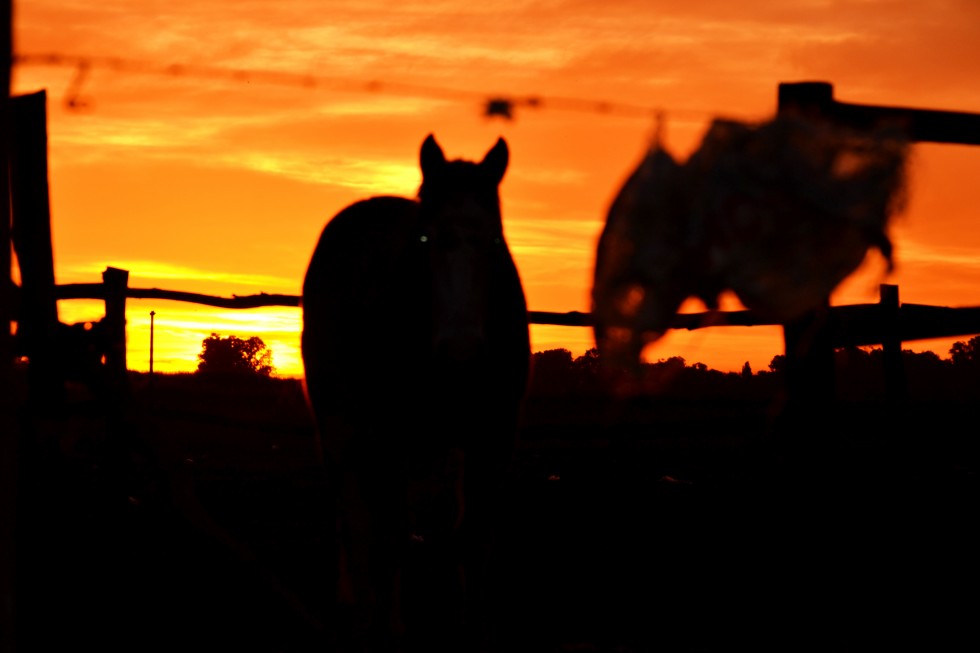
pixel 145 271
pixel 180 328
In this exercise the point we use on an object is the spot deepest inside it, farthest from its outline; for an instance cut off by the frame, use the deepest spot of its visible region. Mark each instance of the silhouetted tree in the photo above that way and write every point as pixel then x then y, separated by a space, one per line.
pixel 234 355
pixel 553 359
pixel 966 354
pixel 551 371
pixel 778 364
pixel 591 376
pixel 589 361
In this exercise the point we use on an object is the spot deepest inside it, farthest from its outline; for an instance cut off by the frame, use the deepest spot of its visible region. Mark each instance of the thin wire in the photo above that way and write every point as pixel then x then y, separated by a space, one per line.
pixel 497 105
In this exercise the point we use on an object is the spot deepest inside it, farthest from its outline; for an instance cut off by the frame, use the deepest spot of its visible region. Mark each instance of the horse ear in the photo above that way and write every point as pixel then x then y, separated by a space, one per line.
pixel 495 162
pixel 431 157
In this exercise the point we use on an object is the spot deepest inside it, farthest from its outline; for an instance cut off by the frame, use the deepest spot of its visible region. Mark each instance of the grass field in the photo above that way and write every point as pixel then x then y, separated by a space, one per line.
pixel 192 520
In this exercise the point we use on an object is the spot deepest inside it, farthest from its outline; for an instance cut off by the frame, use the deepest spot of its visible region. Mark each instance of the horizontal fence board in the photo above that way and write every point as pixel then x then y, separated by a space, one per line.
pixel 850 325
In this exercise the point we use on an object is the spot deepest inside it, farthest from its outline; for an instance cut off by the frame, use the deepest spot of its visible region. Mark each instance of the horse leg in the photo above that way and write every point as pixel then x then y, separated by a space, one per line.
pixel 484 472
pixel 473 570
pixel 361 564
pixel 374 534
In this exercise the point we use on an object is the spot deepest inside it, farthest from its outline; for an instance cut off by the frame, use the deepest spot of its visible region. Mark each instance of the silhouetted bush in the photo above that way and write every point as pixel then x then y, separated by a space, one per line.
pixel 234 355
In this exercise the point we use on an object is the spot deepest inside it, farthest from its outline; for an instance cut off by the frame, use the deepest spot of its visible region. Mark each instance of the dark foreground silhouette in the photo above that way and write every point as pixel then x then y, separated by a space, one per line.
pixel 656 523
pixel 417 474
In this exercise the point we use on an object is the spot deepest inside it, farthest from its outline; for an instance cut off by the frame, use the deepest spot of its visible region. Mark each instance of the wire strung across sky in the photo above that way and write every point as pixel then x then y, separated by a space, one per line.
pixel 493 105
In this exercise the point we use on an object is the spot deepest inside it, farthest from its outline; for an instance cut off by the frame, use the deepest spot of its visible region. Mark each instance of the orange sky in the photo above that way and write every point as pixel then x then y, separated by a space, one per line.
pixel 217 184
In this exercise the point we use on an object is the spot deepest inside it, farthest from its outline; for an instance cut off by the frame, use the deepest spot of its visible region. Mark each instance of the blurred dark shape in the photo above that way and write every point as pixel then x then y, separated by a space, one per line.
pixel 499 107
pixel 779 213
pixel 642 266
pixel 235 356
pixel 74 99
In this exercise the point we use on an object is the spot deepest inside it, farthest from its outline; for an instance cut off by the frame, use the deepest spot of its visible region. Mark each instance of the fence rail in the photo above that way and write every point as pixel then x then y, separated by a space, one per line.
pixel 849 325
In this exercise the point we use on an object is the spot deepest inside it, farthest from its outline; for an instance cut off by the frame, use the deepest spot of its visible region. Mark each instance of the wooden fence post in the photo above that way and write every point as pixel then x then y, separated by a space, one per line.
pixel 37 319
pixel 9 431
pixel 810 373
pixel 115 283
pixel 116 389
pixel 896 384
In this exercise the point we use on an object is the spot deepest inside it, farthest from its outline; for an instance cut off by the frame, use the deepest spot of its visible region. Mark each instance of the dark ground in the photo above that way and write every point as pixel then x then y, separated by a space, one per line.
pixel 654 525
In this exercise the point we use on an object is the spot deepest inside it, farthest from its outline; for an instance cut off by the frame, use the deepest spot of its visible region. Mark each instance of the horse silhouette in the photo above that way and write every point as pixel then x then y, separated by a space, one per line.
pixel 779 213
pixel 416 352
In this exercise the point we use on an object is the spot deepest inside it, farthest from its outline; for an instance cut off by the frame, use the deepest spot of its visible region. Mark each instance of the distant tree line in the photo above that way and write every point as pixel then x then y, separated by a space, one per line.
pixel 860 372
pixel 860 375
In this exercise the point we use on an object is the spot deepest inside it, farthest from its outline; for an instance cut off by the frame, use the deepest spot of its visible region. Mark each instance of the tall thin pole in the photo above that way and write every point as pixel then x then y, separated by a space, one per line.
pixel 152 314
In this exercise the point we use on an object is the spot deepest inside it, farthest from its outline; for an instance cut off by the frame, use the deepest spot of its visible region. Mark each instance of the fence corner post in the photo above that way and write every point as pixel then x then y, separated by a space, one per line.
pixel 115 283
pixel 896 385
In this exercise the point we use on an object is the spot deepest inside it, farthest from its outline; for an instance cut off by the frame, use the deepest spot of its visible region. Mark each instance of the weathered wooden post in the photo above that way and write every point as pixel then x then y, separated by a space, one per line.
pixel 810 383
pixel 8 429
pixel 37 319
pixel 115 283
pixel 896 386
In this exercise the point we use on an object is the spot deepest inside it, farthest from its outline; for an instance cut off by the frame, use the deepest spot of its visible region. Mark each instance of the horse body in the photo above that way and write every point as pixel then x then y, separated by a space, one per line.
pixel 416 353
pixel 778 213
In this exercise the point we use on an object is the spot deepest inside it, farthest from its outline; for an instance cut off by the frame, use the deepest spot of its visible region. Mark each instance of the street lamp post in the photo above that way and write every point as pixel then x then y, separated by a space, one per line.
pixel 152 314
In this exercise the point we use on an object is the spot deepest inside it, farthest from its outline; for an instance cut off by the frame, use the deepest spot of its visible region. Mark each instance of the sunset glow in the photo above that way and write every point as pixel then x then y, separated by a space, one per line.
pixel 209 144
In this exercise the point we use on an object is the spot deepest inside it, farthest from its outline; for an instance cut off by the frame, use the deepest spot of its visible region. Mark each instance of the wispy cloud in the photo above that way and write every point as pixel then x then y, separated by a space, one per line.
pixel 368 176
pixel 951 256
pixel 150 271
